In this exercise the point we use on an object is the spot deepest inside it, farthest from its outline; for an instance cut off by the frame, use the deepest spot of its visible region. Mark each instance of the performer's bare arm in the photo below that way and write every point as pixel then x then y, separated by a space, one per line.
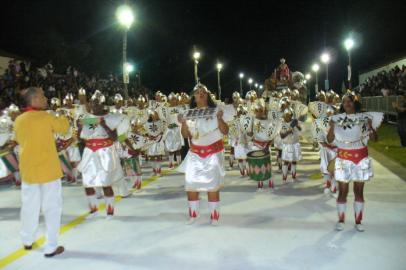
pixel 112 133
pixel 330 134
pixel 222 124
pixel 184 128
pixel 372 132
pixel 285 134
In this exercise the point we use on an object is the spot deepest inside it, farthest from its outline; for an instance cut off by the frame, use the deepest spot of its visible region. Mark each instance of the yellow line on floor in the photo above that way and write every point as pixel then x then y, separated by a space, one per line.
pixel 68 226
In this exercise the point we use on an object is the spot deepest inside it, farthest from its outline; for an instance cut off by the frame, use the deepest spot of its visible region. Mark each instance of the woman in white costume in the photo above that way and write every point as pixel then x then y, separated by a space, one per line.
pixel 133 146
pixel 291 150
pixel 100 165
pixel 204 163
pixel 328 152
pixel 233 133
pixel 173 137
pixel 350 131
pixel 70 139
pixel 240 140
pixel 263 131
pixel 155 128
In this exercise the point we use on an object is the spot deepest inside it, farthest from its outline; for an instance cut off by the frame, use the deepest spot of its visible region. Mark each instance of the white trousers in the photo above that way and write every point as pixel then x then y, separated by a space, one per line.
pixel 48 198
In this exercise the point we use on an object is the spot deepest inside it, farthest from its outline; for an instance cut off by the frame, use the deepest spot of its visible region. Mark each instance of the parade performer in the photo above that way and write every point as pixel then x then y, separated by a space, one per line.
pixel 263 131
pixel 291 150
pixel 232 135
pixel 120 187
pixel 204 163
pixel 350 131
pixel 63 141
pixel 133 146
pixel 241 140
pixel 100 164
pixel 155 129
pixel 173 137
pixel 69 141
pixel 317 109
pixel 328 152
pixel 41 189
pixel 277 116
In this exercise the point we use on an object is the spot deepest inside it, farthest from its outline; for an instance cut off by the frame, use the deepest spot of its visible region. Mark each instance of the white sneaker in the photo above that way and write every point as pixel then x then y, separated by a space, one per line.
pixel 326 191
pixel 340 226
pixel 214 222
pixel 359 227
pixel 260 189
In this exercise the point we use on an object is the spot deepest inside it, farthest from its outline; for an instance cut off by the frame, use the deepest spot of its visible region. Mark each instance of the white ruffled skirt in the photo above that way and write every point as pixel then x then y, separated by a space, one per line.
pixel 347 171
pixel 203 174
pixel 156 149
pixel 291 152
pixel 101 168
pixel 241 151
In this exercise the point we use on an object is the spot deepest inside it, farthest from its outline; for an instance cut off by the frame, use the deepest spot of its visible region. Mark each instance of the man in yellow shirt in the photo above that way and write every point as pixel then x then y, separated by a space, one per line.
pixel 40 170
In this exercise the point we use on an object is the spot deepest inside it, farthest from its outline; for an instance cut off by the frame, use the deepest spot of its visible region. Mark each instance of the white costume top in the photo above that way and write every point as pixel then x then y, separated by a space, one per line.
pixel 102 167
pixel 156 131
pixel 239 139
pixel 173 136
pixel 263 130
pixel 137 141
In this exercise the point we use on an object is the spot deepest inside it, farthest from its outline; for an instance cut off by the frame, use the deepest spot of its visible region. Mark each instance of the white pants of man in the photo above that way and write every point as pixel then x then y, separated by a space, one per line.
pixel 48 198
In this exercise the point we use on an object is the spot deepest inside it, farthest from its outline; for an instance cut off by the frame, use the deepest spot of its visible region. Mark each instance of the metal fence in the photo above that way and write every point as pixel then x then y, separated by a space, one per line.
pixel 380 104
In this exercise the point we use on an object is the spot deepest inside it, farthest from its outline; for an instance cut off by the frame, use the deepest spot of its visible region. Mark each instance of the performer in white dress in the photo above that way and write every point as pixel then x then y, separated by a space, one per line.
pixel 173 137
pixel 283 104
pixel 232 135
pixel 241 141
pixel 63 141
pixel 204 163
pixel 328 153
pixel 263 131
pixel 133 146
pixel 69 141
pixel 121 186
pixel 100 165
pixel 155 129
pixel 291 150
pixel 350 131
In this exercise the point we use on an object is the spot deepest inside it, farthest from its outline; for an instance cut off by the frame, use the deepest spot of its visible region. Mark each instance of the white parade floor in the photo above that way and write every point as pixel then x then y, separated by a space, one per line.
pixel 289 228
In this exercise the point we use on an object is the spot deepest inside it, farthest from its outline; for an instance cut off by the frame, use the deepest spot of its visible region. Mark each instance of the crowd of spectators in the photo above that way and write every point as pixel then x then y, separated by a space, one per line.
pixel 385 83
pixel 20 75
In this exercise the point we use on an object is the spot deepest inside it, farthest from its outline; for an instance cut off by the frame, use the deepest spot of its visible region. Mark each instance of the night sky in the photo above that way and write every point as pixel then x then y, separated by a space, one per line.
pixel 249 36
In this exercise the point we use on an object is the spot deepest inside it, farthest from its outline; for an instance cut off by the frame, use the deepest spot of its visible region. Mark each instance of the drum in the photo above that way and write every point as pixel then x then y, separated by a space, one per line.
pixel 259 162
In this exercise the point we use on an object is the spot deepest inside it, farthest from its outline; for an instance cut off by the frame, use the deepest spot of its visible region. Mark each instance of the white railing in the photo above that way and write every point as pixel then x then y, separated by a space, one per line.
pixel 380 104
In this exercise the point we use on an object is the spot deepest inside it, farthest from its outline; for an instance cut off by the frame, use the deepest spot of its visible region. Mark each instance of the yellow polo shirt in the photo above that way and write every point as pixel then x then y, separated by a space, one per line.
pixel 38 158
